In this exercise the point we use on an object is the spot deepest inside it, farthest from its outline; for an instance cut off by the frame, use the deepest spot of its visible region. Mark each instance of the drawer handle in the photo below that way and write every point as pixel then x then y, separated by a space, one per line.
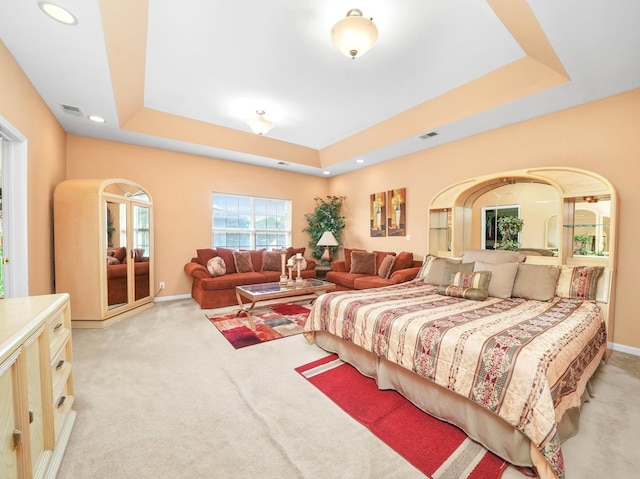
pixel 30 416
pixel 61 401
pixel 57 327
pixel 17 438
pixel 60 364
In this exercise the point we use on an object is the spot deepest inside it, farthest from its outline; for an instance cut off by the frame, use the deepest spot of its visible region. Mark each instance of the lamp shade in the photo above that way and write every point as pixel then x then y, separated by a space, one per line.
pixel 327 239
pixel 259 124
pixel 354 34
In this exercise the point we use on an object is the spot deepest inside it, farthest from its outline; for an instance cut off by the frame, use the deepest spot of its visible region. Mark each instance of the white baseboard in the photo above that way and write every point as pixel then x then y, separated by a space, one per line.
pixel 159 299
pixel 625 349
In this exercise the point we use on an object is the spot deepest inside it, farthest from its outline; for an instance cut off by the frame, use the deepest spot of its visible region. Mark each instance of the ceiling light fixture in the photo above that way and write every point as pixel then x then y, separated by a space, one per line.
pixel 259 124
pixel 58 13
pixel 354 34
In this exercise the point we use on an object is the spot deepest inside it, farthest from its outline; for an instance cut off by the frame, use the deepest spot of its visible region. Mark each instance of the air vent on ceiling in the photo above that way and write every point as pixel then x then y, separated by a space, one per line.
pixel 428 135
pixel 282 163
pixel 71 110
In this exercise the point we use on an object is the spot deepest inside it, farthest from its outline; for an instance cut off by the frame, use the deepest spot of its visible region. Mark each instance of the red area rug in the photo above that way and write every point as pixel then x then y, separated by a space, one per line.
pixel 435 447
pixel 274 321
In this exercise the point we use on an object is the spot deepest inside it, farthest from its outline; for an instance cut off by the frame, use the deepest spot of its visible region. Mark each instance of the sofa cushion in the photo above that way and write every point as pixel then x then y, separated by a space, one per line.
pixel 227 255
pixel 363 262
pixel 216 266
pixel 380 256
pixel 256 258
pixel 271 261
pixel 230 281
pixel 242 261
pixel 138 254
pixel 120 254
pixel 347 257
pixel 403 260
pixel 384 270
pixel 112 260
pixel 346 280
pixel 205 254
pixel 368 282
pixel 293 251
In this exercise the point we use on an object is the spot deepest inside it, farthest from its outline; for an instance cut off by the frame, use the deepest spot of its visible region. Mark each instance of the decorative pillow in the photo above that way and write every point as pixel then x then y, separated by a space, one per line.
pixel 111 252
pixel 293 251
pixel 432 270
pixel 120 254
pixel 242 260
pixel 112 260
pixel 384 270
pixel 216 266
pixel 492 256
pixel 138 254
pixel 227 255
pixel 578 282
pixel 403 260
pixel 467 285
pixel 347 257
pixel 271 261
pixel 380 256
pixel 502 277
pixel 204 255
pixel 363 262
pixel 256 258
pixel 536 281
pixel 451 267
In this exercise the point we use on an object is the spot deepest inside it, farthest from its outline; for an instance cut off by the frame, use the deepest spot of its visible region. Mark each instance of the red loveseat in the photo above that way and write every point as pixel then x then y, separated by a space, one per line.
pixel 346 275
pixel 218 291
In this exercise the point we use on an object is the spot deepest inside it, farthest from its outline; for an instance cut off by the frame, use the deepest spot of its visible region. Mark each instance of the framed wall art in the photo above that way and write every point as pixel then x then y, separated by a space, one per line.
pixel 378 214
pixel 397 212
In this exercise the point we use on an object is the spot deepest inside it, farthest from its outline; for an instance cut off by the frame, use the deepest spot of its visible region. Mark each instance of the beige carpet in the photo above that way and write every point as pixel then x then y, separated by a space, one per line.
pixel 164 395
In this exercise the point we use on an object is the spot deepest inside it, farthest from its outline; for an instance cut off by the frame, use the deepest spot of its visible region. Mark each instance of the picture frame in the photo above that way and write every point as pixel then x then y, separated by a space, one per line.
pixel 378 214
pixel 397 212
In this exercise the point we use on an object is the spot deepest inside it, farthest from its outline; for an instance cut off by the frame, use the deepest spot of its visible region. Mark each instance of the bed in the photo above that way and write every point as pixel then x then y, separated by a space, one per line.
pixel 510 371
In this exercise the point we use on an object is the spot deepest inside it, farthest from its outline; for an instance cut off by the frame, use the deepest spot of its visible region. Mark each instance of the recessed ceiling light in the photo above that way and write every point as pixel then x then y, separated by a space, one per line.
pixel 359 160
pixel 58 13
pixel 325 172
pixel 97 119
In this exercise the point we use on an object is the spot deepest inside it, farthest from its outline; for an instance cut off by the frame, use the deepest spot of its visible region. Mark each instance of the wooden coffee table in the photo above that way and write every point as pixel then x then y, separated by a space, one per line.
pixel 265 291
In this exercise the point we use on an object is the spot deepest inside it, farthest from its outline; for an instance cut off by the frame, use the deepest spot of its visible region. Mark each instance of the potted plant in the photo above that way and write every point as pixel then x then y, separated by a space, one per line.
pixel 325 217
pixel 509 228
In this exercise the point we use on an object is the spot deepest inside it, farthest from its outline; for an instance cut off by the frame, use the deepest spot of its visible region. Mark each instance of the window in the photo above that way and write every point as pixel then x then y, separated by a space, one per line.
pixel 490 217
pixel 247 222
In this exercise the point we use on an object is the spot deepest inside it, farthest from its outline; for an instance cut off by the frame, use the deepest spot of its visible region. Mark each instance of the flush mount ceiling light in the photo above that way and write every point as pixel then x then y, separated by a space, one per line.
pixel 259 124
pixel 58 13
pixel 354 34
pixel 96 118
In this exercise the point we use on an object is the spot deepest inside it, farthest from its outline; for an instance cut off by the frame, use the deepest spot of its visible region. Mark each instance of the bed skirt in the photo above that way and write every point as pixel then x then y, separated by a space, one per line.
pixel 479 424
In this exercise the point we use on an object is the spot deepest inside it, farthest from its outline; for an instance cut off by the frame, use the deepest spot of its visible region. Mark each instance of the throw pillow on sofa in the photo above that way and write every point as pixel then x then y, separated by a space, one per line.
pixel 384 271
pixel 242 261
pixel 363 262
pixel 216 267
pixel 271 261
pixel 227 255
pixel 403 260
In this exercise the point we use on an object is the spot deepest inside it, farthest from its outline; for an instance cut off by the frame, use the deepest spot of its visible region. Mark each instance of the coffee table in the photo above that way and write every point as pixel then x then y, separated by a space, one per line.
pixel 265 291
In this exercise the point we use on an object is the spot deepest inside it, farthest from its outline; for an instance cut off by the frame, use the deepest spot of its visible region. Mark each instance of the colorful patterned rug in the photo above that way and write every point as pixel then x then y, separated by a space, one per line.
pixel 274 321
pixel 434 447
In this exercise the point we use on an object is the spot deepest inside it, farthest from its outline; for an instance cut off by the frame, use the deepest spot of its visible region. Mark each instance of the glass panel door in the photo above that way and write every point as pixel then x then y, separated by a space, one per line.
pixel 117 253
pixel 141 219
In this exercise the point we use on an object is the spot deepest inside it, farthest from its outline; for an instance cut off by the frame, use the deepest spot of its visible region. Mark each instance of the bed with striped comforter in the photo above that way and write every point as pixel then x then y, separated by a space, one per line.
pixel 525 361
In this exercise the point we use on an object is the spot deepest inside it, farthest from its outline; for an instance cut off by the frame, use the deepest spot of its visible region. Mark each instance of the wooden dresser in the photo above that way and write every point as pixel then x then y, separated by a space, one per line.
pixel 36 385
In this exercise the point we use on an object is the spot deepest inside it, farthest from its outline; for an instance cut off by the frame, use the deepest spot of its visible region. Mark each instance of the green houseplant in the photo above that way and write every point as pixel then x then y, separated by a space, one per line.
pixel 509 228
pixel 325 217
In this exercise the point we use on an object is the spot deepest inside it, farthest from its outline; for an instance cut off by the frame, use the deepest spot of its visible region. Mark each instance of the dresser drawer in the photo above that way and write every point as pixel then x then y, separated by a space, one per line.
pixel 61 408
pixel 60 369
pixel 59 331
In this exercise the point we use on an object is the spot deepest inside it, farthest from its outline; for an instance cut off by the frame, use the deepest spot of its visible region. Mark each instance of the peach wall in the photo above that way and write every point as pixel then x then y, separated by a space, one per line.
pixel 181 186
pixel 23 108
pixel 601 137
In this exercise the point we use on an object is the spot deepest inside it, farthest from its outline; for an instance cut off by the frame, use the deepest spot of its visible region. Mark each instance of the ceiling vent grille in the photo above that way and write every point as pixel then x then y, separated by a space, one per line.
pixel 71 110
pixel 428 135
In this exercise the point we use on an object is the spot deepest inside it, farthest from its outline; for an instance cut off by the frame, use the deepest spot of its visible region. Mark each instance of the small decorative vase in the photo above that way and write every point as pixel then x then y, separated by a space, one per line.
pixel 378 219
pixel 397 219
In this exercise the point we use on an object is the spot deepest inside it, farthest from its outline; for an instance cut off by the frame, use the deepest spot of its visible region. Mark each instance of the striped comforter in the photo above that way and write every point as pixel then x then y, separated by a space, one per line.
pixel 526 361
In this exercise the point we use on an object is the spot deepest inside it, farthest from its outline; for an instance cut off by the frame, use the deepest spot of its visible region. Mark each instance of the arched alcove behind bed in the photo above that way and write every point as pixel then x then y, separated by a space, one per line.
pixel 454 220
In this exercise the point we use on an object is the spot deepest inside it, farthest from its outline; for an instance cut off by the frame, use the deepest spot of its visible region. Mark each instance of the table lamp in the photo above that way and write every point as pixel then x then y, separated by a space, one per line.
pixel 327 239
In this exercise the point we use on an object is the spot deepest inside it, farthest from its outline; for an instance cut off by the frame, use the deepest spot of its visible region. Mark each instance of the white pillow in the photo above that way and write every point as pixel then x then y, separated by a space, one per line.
pixel 503 276
pixel 216 266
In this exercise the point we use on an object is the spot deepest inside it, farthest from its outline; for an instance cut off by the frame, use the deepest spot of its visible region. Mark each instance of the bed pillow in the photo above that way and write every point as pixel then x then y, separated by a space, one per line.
pixel 578 282
pixel 536 281
pixel 271 261
pixel 216 267
pixel 502 277
pixel 467 285
pixel 432 270
pixel 242 260
pixel 384 271
pixel 492 256
pixel 363 262
pixel 451 267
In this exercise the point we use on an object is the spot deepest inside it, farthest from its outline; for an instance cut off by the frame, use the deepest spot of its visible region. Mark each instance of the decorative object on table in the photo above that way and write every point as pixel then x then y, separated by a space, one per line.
pixel 397 213
pixel 429 444
pixel 298 259
pixel 355 34
pixel 290 265
pixel 325 217
pixel 378 214
pixel 270 322
pixel 327 239
pixel 283 274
